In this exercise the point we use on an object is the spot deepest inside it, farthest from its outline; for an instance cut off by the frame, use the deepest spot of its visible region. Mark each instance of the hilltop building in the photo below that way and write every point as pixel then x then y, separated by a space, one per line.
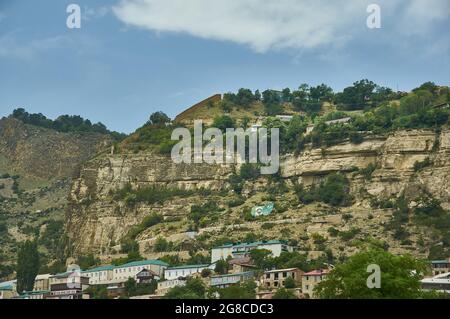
pixel 241 250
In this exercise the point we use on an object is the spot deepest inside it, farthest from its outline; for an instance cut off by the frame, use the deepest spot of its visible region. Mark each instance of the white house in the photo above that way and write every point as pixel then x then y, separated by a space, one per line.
pixel 242 249
pixel 100 275
pixel 130 270
pixel 185 271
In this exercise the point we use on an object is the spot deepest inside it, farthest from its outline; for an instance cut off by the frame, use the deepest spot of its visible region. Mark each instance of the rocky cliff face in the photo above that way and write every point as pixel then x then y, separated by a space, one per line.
pixel 36 166
pixel 43 153
pixel 96 222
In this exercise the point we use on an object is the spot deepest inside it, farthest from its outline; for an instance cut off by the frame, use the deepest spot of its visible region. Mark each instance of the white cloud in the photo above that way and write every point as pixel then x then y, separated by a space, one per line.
pixel 276 24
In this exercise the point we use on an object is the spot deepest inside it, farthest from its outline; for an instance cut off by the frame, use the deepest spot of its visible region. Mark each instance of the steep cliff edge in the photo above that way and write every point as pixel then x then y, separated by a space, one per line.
pixel 36 166
pixel 98 222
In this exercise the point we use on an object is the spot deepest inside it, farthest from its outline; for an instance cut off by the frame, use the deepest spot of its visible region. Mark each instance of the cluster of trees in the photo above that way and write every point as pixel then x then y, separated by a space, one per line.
pixel 334 190
pixel 64 123
pixel 149 195
pixel 399 278
pixel 309 99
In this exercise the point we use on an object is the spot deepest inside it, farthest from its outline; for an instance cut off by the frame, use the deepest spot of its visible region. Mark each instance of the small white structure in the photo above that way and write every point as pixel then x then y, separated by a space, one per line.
pixel 440 283
pixel 285 118
pixel 185 271
pixel 242 249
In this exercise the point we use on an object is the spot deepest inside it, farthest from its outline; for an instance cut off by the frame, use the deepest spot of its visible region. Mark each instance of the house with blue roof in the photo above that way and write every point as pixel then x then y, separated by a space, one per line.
pixel 130 270
pixel 242 250
pixel 8 289
pixel 102 275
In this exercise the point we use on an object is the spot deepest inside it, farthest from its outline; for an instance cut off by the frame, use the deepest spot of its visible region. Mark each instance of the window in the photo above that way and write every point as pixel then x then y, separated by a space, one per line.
pixel 284 274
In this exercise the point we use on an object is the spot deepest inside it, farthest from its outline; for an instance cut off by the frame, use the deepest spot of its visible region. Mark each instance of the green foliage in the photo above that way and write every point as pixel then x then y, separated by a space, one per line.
pixel 334 191
pixel 290 283
pixel 363 93
pixel 245 290
pixel 159 118
pixel 97 292
pixel 54 238
pixel 64 123
pixel 223 122
pixel 243 98
pixel 149 195
pixel 27 266
pixel 400 277
pixel 368 171
pixel 148 221
pixel 88 261
pixel 161 245
pixel 350 234
pixel 418 166
pixel 283 293
pixel 194 289
pixel 202 215
pixel 132 288
pixel 222 267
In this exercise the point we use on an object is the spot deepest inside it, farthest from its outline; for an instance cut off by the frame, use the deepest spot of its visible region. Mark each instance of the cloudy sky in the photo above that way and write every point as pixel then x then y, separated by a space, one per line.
pixel 133 57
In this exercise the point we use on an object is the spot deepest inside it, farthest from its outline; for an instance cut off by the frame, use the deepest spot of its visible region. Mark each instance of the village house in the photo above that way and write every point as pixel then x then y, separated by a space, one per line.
pixel 68 285
pixel 241 250
pixel 100 275
pixel 42 283
pixel 8 289
pixel 311 279
pixel 239 265
pixel 440 267
pixel 223 281
pixel 130 270
pixel 146 276
pixel 275 279
pixel 185 271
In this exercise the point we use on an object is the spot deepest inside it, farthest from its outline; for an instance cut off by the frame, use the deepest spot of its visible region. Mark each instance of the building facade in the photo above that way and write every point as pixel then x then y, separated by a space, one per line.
pixel 276 247
pixel 68 285
pixel 310 280
pixel 223 281
pixel 130 270
pixel 100 275
pixel 185 271
pixel 42 283
pixel 440 267
pixel 275 279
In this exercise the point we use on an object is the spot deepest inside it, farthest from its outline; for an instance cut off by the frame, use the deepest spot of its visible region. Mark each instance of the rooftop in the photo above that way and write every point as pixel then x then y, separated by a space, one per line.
pixel 254 244
pixel 317 272
pixel 144 263
pixel 440 262
pixel 281 270
pixel 101 268
pixel 189 266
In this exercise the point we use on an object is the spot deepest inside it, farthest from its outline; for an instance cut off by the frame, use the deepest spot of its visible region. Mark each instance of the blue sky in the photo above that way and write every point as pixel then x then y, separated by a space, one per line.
pixel 133 57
